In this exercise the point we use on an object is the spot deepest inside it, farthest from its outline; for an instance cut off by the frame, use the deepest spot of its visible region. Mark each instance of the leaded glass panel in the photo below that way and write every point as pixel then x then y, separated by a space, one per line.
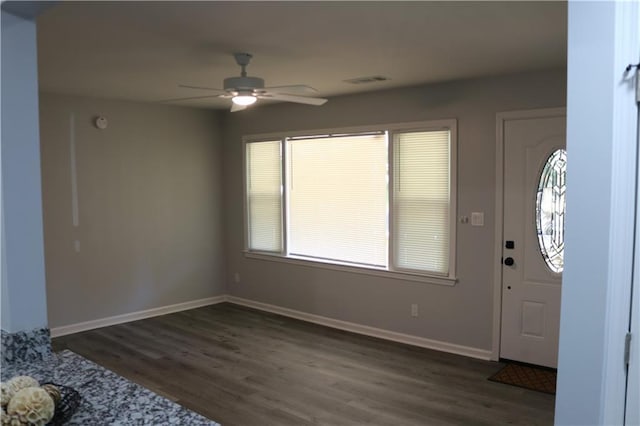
pixel 550 210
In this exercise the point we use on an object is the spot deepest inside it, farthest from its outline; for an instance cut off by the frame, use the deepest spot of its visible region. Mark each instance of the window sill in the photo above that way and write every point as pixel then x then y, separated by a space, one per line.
pixel 405 276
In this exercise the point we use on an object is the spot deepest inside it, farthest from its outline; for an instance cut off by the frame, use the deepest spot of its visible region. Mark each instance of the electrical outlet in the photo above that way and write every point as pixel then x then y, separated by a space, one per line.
pixel 236 277
pixel 414 309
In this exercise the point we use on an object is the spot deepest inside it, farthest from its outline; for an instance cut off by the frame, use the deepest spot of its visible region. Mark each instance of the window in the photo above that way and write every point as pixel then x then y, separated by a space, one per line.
pixel 381 199
pixel 550 208
pixel 264 196
pixel 337 189
pixel 421 201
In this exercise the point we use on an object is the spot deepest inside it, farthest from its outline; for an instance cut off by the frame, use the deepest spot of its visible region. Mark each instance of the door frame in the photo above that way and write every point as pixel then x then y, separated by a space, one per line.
pixel 501 118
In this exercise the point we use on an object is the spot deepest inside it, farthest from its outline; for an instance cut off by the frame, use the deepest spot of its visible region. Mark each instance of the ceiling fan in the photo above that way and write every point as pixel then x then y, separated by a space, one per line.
pixel 244 91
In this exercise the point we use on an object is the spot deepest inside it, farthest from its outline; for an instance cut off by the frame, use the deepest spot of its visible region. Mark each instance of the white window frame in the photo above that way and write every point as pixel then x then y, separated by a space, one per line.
pixel 391 271
pixel 245 203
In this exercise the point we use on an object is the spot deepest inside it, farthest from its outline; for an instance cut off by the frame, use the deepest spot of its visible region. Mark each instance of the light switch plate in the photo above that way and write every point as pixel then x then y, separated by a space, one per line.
pixel 477 219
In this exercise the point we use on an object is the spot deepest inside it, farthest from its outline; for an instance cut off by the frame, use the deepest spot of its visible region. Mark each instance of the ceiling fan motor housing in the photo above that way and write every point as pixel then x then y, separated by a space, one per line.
pixel 237 84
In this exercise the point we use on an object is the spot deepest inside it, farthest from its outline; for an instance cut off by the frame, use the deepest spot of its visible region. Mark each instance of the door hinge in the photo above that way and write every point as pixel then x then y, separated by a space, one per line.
pixel 637 68
pixel 627 348
pixel 637 85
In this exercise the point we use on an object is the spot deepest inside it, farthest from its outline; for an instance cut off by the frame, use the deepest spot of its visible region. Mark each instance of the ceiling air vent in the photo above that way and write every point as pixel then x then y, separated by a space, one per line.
pixel 363 80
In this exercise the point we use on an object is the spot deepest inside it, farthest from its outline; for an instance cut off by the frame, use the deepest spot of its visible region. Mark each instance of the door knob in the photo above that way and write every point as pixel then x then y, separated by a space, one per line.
pixel 509 261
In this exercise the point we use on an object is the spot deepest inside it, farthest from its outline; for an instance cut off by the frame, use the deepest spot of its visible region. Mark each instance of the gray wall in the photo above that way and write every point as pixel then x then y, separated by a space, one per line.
pixel 149 202
pixel 23 279
pixel 461 314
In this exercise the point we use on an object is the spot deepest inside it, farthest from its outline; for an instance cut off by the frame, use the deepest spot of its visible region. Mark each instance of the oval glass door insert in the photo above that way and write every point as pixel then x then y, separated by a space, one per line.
pixel 550 208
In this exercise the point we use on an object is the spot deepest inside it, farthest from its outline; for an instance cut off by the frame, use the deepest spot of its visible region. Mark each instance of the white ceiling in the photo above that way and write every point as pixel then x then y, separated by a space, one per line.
pixel 142 50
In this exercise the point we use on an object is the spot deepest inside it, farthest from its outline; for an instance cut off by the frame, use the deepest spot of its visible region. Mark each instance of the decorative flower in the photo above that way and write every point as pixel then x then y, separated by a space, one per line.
pixel 53 392
pixel 19 383
pixel 32 404
pixel 8 389
pixel 9 420
pixel 5 394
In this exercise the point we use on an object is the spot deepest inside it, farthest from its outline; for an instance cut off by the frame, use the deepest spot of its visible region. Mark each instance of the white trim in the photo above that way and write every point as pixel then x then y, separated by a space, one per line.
pixel 453 199
pixel 501 117
pixel 624 167
pixel 134 316
pixel 408 126
pixel 391 255
pixel 245 202
pixel 365 330
pixel 245 195
pixel 497 241
pixel 452 126
pixel 291 313
pixel 428 279
pixel 390 129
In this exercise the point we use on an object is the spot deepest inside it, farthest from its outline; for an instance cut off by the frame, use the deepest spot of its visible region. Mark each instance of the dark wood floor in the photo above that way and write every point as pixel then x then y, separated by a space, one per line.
pixel 239 366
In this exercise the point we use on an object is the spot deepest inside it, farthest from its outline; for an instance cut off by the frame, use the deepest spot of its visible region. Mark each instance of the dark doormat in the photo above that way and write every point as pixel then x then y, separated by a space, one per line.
pixel 539 379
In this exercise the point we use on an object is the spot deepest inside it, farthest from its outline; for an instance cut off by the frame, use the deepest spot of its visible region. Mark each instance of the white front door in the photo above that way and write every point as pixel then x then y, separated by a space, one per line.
pixel 533 237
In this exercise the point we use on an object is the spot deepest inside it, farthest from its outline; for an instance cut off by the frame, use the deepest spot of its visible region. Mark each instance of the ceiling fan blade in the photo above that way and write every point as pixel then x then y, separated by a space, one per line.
pixel 292 98
pixel 293 89
pixel 185 86
pixel 235 107
pixel 188 99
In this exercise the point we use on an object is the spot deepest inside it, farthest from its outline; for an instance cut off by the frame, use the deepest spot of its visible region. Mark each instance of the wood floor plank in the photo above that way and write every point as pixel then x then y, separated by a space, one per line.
pixel 244 367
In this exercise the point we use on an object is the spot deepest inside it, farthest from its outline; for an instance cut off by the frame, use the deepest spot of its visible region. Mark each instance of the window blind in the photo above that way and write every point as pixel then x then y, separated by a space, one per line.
pixel 264 195
pixel 337 198
pixel 421 208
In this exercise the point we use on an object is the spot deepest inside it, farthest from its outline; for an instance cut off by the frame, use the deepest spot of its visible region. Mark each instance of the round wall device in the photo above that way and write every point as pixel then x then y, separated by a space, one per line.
pixel 101 123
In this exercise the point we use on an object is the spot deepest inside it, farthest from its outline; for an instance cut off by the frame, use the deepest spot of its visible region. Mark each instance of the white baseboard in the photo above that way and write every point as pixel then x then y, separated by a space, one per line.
pixel 366 330
pixel 134 316
pixel 292 313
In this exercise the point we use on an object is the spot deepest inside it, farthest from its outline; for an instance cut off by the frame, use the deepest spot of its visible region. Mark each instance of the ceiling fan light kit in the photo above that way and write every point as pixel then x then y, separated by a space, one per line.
pixel 244 100
pixel 244 90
